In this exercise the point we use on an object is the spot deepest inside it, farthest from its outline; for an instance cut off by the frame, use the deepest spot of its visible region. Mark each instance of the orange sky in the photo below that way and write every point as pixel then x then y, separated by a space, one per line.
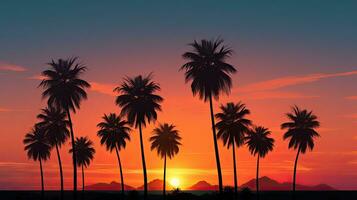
pixel 305 59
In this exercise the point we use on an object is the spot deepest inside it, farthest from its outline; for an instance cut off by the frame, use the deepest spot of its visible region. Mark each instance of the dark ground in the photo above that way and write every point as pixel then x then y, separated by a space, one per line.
pixel 181 195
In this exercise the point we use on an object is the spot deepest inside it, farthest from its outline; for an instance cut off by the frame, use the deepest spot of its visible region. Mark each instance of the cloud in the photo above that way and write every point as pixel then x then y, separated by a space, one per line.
pixel 351 97
pixel 282 82
pixel 11 67
pixel 36 77
pixel 277 95
pixel 104 88
pixel 5 109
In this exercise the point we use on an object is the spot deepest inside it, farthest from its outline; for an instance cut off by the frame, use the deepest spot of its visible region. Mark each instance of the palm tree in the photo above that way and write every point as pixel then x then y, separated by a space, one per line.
pixel 113 133
pixel 209 74
pixel 139 104
pixel 260 143
pixel 54 123
pixel 37 148
pixel 166 141
pixel 232 127
pixel 65 90
pixel 300 132
pixel 84 152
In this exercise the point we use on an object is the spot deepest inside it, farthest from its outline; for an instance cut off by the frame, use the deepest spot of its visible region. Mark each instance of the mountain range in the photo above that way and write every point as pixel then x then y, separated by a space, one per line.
pixel 265 183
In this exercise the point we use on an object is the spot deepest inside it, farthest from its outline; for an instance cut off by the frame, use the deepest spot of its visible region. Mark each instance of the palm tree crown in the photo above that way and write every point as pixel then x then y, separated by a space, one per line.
pixel 301 129
pixel 232 125
pixel 36 144
pixel 55 124
pixel 259 142
pixel 166 140
pixel 207 68
pixel 138 99
pixel 113 132
pixel 62 84
pixel 84 151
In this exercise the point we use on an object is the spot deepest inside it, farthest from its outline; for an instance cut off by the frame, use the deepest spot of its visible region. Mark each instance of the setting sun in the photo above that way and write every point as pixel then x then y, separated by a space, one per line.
pixel 175 182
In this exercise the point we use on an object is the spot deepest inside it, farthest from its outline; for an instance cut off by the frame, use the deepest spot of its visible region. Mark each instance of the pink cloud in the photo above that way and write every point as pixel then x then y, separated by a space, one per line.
pixel 351 97
pixel 104 88
pixel 36 77
pixel 5 109
pixel 277 95
pixel 11 67
pixel 291 80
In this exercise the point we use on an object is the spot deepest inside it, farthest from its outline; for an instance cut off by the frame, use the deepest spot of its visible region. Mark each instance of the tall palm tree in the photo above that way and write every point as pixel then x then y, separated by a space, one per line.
pixel 139 103
pixel 113 133
pixel 166 141
pixel 209 74
pixel 65 90
pixel 54 123
pixel 232 127
pixel 259 143
pixel 85 153
pixel 37 148
pixel 300 132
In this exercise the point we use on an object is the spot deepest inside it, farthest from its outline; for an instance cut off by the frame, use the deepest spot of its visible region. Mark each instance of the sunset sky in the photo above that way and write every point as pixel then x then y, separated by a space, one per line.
pixel 286 53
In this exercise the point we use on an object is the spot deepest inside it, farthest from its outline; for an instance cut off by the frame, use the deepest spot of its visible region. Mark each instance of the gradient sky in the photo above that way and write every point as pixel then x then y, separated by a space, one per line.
pixel 286 53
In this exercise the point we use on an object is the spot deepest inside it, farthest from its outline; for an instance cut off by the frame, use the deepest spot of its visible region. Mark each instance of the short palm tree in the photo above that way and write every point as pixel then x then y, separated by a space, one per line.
pixel 139 103
pixel 209 74
pixel 65 90
pixel 300 132
pixel 53 121
pixel 114 133
pixel 84 152
pixel 232 126
pixel 259 143
pixel 37 148
pixel 166 141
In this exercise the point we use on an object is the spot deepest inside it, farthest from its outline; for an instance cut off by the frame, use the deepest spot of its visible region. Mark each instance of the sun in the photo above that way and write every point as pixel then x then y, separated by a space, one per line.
pixel 175 182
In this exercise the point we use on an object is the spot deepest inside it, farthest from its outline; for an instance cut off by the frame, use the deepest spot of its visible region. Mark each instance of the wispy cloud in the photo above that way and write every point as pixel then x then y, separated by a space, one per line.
pixel 2 109
pixel 104 88
pixel 36 77
pixel 277 95
pixel 351 97
pixel 11 67
pixel 282 82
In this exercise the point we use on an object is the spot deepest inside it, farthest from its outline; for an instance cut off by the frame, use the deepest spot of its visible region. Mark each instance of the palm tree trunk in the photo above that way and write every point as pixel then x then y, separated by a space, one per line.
pixel 121 171
pixel 73 155
pixel 164 184
pixel 257 178
pixel 82 178
pixel 295 165
pixel 216 147
pixel 60 167
pixel 42 184
pixel 235 172
pixel 143 162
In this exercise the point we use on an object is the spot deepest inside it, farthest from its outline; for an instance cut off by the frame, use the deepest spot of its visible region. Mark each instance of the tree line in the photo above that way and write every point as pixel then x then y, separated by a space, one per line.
pixel 209 75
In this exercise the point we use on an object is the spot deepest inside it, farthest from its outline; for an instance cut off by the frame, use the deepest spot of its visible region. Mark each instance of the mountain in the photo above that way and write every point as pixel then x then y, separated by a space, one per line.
pixel 266 183
pixel 108 186
pixel 156 184
pixel 203 185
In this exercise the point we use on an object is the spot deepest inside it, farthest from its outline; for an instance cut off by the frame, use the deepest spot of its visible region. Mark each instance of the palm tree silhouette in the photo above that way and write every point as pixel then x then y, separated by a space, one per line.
pixel 232 127
pixel 84 152
pixel 65 90
pixel 210 76
pixel 301 132
pixel 259 143
pixel 37 148
pixel 166 141
pixel 139 104
pixel 113 133
pixel 53 121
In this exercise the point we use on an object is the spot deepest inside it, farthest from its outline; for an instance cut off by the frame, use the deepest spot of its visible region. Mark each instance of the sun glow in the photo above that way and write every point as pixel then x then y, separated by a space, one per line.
pixel 175 182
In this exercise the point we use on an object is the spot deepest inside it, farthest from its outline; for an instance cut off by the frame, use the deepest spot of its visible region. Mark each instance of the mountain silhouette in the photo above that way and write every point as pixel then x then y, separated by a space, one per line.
pixel 156 184
pixel 108 186
pixel 267 183
pixel 203 185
